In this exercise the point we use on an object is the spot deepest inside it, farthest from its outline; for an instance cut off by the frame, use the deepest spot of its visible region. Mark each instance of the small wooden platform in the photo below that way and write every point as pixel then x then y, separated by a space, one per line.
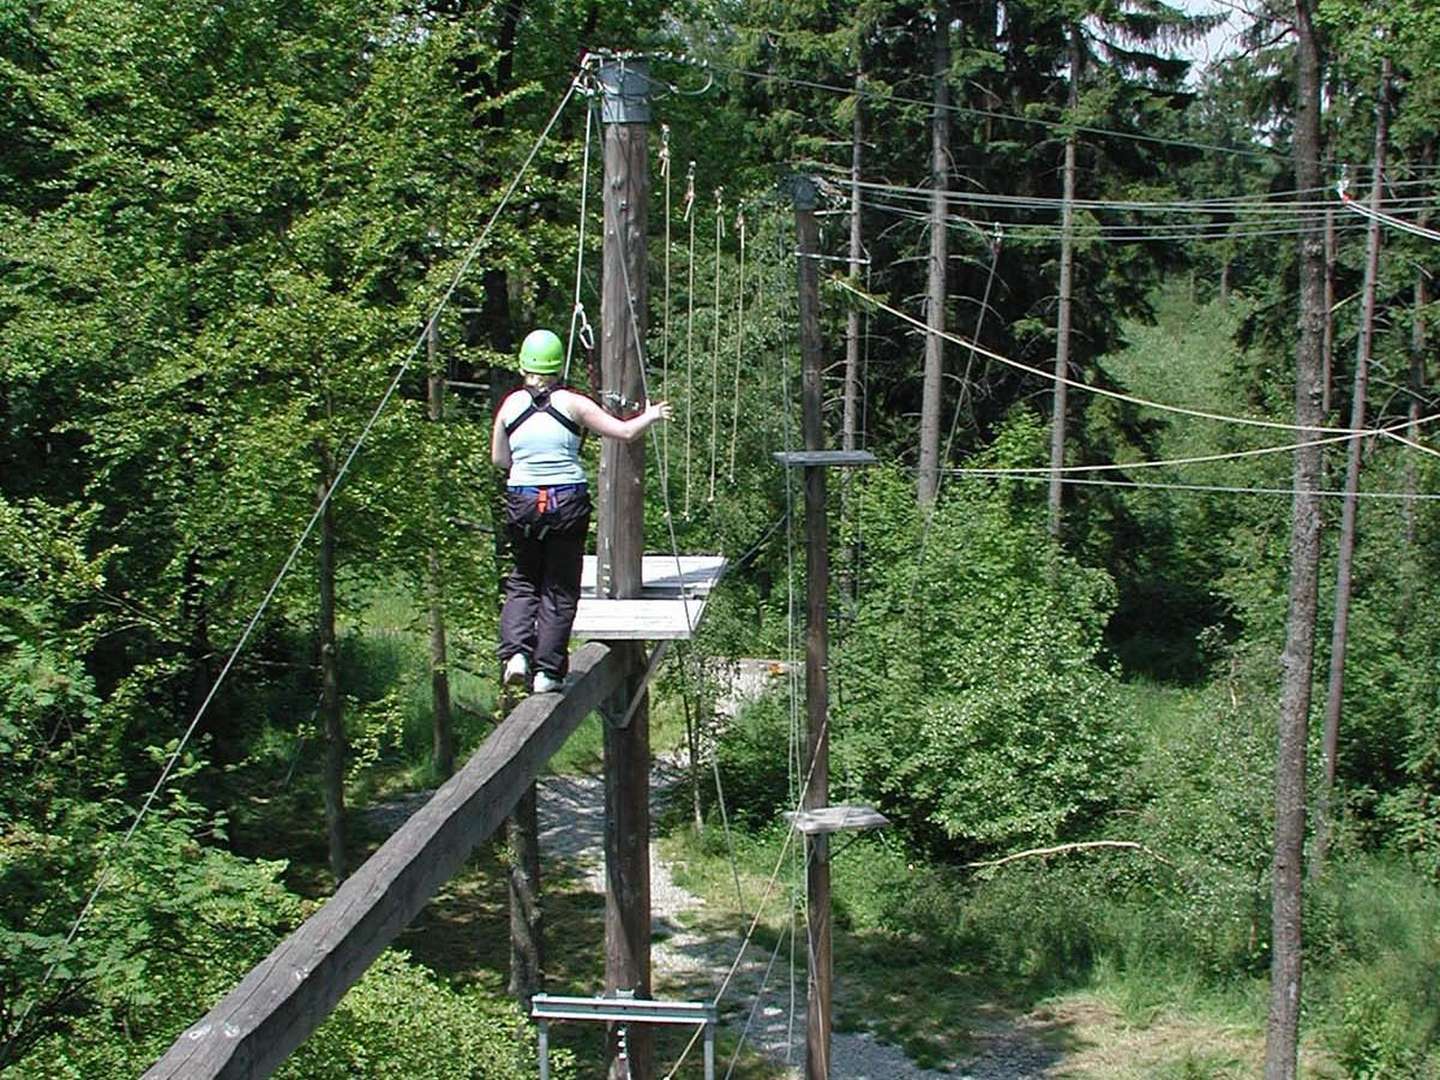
pixel 827 458
pixel 829 819
pixel 672 599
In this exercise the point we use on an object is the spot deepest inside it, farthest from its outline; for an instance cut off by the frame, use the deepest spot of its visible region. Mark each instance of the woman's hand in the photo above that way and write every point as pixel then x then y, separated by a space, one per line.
pixel 658 410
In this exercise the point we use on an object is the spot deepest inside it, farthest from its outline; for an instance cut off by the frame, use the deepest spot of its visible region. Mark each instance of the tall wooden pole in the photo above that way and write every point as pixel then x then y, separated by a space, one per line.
pixel 817 585
pixel 620 543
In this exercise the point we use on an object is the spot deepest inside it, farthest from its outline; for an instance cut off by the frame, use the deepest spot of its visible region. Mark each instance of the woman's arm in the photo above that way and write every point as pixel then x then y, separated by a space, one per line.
pixel 612 427
pixel 499 445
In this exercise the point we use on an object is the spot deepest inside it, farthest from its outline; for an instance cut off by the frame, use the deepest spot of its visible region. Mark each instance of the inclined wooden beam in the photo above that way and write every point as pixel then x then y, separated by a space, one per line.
pixel 289 993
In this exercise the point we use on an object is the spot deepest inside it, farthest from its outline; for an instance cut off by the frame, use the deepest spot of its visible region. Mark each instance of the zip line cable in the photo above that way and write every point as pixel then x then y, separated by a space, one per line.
pixel 1049 377
pixel 1115 231
pixel 289 562
pixel 1271 203
pixel 1221 489
pixel 1387 219
pixel 1211 459
pixel 665 334
pixel 790 835
pixel 759 997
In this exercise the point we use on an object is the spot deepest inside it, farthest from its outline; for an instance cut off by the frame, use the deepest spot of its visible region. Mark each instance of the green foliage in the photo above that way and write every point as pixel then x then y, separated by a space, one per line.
pixel 401 1022
pixel 117 995
pixel 754 756
pixel 985 716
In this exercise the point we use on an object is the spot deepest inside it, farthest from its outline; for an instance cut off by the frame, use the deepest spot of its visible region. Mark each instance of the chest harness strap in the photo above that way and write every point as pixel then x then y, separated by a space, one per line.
pixel 540 403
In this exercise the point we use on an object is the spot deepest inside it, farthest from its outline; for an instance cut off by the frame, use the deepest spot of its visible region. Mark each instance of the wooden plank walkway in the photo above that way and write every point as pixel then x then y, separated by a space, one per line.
pixel 289 993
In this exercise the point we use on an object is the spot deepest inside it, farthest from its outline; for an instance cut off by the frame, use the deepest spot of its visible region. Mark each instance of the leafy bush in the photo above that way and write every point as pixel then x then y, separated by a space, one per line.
pixel 753 755
pixel 979 711
pixel 401 1022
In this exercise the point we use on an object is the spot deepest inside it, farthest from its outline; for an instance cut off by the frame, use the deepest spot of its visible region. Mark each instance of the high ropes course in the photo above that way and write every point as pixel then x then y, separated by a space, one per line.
pixel 632 598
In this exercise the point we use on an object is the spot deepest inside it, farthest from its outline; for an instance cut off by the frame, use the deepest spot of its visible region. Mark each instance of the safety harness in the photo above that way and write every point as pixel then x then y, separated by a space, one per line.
pixel 530 518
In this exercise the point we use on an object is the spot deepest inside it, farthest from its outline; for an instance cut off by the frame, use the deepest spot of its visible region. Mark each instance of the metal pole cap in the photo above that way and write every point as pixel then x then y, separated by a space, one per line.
pixel 625 85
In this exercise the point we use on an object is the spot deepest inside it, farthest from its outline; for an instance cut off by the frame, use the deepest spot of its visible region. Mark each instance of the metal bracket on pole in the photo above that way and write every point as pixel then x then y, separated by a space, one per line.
pixel 623 1010
pixel 802 189
pixel 625 91
pixel 651 666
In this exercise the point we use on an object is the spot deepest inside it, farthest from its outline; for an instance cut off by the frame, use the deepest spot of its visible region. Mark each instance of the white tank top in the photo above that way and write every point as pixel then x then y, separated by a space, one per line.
pixel 543 451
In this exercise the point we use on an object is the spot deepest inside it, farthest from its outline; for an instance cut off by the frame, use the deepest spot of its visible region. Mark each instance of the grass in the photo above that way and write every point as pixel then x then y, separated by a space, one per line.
pixel 939 965
pixel 919 964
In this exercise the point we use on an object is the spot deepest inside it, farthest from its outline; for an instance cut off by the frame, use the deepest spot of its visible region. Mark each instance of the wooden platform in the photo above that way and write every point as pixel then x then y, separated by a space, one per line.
pixel 829 819
pixel 672 599
pixel 827 458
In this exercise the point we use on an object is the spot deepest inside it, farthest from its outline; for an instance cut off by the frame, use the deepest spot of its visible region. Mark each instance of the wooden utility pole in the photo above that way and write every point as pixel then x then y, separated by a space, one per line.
pixel 620 545
pixel 817 585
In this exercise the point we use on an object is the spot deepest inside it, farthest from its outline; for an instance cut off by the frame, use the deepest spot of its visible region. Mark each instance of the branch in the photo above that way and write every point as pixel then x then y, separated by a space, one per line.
pixel 1065 849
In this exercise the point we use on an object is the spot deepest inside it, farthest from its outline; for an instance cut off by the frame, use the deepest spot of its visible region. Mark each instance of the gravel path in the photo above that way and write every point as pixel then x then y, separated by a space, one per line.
pixel 572 812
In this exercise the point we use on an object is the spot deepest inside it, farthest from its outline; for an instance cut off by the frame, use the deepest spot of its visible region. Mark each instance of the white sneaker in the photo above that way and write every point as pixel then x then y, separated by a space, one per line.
pixel 516 668
pixel 547 684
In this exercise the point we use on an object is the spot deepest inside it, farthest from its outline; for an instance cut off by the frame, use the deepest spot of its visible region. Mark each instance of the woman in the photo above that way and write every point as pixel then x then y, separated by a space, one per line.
pixel 536 438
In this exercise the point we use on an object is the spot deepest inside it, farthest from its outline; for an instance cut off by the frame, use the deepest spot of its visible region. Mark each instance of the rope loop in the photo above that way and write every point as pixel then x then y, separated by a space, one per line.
pixel 586 333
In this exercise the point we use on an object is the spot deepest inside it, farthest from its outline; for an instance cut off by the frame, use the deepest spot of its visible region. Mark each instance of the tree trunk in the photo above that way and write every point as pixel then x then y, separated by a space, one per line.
pixel 1346 557
pixel 1419 341
pixel 1067 271
pixel 1327 377
pixel 1282 1030
pixel 931 395
pixel 330 682
pixel 527 954
pixel 851 416
pixel 443 728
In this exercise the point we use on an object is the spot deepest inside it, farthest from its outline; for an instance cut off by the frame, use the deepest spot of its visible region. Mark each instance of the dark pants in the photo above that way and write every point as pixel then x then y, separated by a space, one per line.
pixel 542 592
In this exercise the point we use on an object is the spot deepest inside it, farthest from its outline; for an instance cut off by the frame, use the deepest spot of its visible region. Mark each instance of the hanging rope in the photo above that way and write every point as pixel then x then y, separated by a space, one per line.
pixel 665 336
pixel 739 340
pixel 639 339
pixel 715 343
pixel 689 333
pixel 577 311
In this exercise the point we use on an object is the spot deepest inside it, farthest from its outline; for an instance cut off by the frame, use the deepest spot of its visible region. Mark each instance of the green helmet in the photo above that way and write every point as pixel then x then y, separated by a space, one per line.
pixel 541 353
